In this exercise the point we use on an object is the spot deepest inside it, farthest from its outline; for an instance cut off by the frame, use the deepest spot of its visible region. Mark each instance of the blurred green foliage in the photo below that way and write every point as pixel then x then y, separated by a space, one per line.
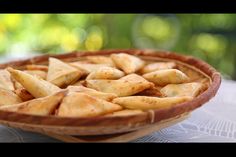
pixel 211 37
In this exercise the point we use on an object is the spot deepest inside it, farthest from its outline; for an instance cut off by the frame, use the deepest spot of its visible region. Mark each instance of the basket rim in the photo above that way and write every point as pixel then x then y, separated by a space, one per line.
pixel 148 117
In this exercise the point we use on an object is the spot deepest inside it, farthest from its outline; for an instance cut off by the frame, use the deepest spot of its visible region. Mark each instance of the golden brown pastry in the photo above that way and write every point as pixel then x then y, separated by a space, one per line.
pixel 106 73
pixel 128 63
pixel 24 94
pixel 121 87
pixel 38 73
pixel 115 85
pixel 157 66
pixel 101 60
pixel 79 83
pixel 164 77
pixel 34 85
pixel 5 80
pixel 92 92
pixel 37 67
pixel 41 106
pixel 185 89
pixel 153 91
pixel 62 74
pixel 8 97
pixel 16 84
pixel 84 105
pixel 146 103
pixel 87 68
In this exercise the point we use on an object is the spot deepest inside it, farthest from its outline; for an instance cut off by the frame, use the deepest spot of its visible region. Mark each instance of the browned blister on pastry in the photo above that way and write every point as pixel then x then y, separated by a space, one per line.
pixel 24 94
pixel 153 91
pixel 79 83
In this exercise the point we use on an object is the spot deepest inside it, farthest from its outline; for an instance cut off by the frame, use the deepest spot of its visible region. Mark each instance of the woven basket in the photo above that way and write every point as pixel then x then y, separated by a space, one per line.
pixel 112 125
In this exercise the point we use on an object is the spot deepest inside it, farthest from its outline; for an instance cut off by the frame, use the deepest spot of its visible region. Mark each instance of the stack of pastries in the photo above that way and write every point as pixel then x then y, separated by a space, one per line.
pixel 116 85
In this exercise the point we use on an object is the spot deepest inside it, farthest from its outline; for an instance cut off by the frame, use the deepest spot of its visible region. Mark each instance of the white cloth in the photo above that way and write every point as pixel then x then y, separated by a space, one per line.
pixel 213 122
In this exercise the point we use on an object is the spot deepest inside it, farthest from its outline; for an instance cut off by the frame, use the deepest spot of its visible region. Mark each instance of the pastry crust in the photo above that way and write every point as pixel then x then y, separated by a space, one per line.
pixel 87 68
pixel 6 81
pixel 92 92
pixel 8 97
pixel 34 85
pixel 42 106
pixel 168 76
pixel 121 87
pixel 62 74
pixel 157 66
pixel 128 63
pixel 129 122
pixel 88 106
pixel 108 73
pixel 185 89
pixel 101 60
pixel 148 102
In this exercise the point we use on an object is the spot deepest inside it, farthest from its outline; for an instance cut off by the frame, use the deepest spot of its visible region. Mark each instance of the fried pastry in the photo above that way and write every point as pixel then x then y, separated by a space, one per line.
pixel 83 105
pixel 128 63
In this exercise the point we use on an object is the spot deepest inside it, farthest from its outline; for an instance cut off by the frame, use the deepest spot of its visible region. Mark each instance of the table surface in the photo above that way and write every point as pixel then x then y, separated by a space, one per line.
pixel 213 122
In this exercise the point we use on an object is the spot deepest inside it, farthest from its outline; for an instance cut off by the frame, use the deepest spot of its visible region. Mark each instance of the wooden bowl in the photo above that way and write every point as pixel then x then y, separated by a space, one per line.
pixel 111 125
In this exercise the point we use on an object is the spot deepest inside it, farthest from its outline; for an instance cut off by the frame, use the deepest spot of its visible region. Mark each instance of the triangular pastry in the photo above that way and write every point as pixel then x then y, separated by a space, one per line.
pixel 8 97
pixel 34 85
pixel 87 68
pixel 41 106
pixel 128 63
pixel 105 73
pixel 92 92
pixel 168 76
pixel 62 74
pixel 157 66
pixel 185 89
pixel 5 80
pixel 121 87
pixel 38 73
pixel 83 105
pixel 146 103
